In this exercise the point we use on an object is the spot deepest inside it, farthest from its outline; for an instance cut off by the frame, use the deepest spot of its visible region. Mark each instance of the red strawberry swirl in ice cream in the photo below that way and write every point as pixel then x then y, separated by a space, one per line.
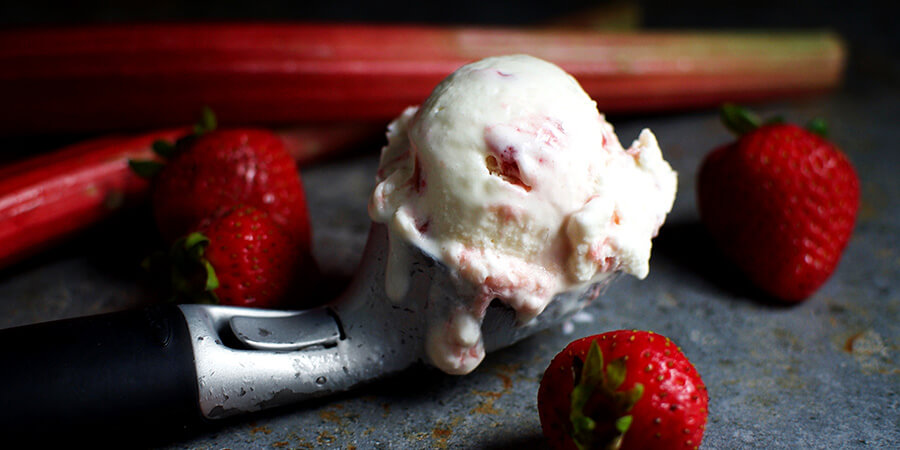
pixel 510 177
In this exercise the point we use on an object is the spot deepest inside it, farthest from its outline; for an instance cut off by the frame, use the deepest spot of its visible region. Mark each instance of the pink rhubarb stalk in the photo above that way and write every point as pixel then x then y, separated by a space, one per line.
pixel 138 76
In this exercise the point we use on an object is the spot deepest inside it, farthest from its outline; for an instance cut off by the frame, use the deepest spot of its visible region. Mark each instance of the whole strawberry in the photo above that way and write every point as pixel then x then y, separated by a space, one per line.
pixel 781 202
pixel 240 257
pixel 216 168
pixel 622 390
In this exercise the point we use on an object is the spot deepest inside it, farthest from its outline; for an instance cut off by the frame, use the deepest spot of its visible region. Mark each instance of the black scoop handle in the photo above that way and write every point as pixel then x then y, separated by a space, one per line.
pixel 118 373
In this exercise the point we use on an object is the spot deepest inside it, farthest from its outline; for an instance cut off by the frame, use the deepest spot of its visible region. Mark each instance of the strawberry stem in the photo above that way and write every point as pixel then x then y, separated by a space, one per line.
pixel 148 169
pixel 818 126
pixel 615 373
pixel 191 277
pixel 775 120
pixel 145 168
pixel 207 121
pixel 738 119
pixel 212 281
pixel 741 121
pixel 624 423
pixel 163 149
pixel 195 244
pixel 598 386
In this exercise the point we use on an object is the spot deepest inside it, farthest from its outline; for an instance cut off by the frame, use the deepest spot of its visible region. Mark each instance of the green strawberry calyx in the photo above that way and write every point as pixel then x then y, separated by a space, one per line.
pixel 599 411
pixel 741 121
pixel 207 123
pixel 184 271
pixel 188 251
pixel 148 169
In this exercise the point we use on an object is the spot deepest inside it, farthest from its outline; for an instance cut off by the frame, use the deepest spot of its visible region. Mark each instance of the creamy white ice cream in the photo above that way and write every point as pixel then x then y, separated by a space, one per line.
pixel 510 176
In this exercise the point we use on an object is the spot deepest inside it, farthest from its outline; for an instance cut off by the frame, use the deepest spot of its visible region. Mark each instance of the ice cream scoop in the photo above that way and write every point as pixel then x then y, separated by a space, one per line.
pixel 494 217
pixel 173 365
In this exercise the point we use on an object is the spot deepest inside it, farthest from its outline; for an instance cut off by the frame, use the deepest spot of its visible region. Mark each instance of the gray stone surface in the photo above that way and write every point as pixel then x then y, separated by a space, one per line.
pixel 821 374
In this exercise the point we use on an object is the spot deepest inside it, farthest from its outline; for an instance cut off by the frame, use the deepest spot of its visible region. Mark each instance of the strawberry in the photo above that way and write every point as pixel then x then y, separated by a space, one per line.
pixel 216 168
pixel 622 390
pixel 781 202
pixel 239 257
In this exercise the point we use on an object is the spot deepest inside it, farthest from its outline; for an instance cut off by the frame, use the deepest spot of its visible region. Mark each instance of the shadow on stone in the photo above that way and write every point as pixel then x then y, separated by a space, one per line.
pixel 688 246
pixel 532 441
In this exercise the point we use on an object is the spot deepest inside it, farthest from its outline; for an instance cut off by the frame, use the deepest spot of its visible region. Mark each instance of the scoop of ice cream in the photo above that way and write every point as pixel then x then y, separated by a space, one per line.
pixel 510 177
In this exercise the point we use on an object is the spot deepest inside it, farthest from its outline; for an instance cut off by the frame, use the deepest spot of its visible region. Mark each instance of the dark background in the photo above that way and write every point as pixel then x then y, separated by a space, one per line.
pixel 869 26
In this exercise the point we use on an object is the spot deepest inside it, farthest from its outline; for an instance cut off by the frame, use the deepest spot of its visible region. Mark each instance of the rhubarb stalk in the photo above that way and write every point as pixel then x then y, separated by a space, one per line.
pixel 47 198
pixel 136 76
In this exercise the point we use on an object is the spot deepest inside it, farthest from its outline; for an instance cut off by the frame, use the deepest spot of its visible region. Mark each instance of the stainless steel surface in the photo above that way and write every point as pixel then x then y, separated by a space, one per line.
pixel 300 330
pixel 234 380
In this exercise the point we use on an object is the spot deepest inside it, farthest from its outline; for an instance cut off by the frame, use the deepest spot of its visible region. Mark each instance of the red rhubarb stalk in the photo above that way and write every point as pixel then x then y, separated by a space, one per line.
pixel 45 199
pixel 135 76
